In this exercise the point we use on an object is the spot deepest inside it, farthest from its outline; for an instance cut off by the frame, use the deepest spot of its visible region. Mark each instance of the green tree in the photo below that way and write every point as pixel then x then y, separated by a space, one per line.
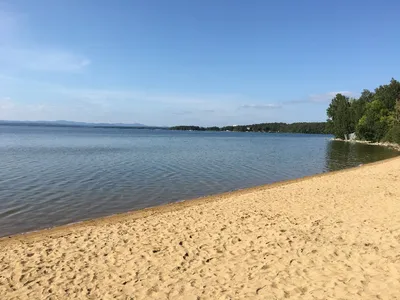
pixel 380 114
pixel 393 134
pixel 358 106
pixel 388 94
pixel 340 121
pixel 375 123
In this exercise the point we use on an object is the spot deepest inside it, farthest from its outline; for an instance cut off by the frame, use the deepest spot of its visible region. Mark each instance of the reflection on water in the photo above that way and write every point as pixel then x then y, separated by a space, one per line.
pixel 342 155
pixel 51 176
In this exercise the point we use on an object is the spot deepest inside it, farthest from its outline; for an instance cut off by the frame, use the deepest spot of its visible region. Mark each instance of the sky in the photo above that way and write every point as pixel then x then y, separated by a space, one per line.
pixel 205 63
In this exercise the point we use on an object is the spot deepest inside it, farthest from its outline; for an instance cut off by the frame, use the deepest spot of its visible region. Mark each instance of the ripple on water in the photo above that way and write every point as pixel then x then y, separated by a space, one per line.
pixel 50 176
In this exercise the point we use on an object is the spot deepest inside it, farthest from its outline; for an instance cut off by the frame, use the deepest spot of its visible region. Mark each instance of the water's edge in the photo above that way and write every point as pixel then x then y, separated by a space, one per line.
pixel 56 231
pixel 392 146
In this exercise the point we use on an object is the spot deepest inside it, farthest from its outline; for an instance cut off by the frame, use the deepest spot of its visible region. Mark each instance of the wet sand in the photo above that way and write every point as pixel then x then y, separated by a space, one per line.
pixel 332 236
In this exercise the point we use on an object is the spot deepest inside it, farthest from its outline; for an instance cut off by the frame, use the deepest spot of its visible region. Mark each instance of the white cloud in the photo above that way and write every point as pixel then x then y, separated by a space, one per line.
pixel 17 53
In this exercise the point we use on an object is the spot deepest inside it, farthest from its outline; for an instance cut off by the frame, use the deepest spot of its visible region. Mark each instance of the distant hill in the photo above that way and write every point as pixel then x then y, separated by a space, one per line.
pixel 71 123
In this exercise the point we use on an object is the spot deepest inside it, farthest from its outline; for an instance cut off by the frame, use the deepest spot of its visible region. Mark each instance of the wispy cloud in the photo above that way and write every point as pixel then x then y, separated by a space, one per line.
pixel 13 110
pixel 17 53
pixel 328 96
pixel 197 101
pixel 42 59
pixel 9 26
pixel 6 104
pixel 260 106
pixel 320 98
pixel 54 101
pixel 196 111
pixel 183 112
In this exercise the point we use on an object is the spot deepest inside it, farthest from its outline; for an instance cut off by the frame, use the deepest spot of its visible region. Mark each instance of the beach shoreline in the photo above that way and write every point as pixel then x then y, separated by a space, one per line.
pixel 173 206
pixel 334 235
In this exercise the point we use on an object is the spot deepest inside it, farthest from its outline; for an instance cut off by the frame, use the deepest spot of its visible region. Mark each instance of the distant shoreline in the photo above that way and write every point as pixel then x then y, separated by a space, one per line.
pixel 303 129
pixel 276 127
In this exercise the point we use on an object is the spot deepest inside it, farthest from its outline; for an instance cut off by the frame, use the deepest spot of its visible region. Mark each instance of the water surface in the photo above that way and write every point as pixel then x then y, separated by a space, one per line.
pixel 56 175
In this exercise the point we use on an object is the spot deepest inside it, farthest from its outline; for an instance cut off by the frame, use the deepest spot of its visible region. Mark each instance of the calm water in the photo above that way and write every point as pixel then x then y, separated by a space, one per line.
pixel 51 176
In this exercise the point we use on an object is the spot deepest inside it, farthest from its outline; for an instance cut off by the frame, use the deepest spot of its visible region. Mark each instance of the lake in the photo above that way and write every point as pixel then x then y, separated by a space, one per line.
pixel 56 175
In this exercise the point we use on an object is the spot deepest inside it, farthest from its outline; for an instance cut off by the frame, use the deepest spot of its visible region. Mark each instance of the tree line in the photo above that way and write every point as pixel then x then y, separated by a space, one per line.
pixel 300 127
pixel 374 116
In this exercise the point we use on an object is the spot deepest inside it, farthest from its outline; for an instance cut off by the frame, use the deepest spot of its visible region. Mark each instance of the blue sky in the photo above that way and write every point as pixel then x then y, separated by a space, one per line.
pixel 191 62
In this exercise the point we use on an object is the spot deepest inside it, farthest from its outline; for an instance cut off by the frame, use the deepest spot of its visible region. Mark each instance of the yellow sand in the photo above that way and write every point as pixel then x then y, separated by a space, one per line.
pixel 335 236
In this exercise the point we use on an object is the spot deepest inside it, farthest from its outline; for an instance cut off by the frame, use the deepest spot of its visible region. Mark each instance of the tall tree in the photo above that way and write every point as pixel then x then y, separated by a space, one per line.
pixel 340 121
pixel 359 105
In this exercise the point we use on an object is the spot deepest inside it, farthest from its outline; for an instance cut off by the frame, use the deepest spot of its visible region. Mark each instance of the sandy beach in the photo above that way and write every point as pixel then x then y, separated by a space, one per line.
pixel 332 236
